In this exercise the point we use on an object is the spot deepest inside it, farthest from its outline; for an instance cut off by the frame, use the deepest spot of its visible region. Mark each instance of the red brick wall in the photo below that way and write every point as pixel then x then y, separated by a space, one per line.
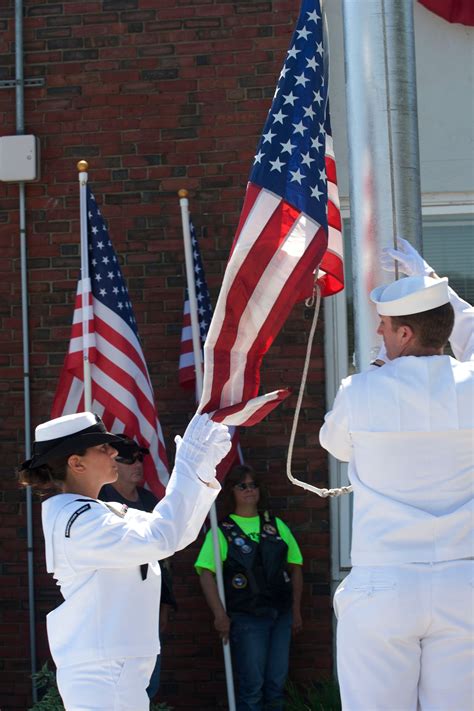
pixel 156 96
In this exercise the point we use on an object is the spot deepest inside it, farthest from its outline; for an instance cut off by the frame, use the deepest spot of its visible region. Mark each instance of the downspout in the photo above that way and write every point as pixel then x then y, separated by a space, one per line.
pixel 20 130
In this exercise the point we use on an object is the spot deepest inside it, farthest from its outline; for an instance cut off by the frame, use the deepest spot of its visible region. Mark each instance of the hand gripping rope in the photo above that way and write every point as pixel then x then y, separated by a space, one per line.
pixel 324 493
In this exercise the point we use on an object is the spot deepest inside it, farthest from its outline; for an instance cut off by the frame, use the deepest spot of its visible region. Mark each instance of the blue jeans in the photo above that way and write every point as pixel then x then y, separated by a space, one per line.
pixel 260 650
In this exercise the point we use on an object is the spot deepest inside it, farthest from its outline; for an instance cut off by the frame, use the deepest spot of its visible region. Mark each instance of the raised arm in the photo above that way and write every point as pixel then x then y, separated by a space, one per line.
pixel 99 538
pixel 411 263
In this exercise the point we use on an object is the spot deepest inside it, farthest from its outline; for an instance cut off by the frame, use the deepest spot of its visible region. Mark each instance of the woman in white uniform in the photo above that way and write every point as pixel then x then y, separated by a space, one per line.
pixel 103 637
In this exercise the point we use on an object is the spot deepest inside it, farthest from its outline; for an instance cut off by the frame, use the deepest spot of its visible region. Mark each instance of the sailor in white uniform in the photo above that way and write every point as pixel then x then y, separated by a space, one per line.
pixel 405 612
pixel 104 636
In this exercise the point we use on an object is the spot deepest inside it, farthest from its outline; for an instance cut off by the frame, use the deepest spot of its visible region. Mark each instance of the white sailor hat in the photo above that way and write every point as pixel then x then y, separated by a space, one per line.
pixel 67 435
pixel 410 295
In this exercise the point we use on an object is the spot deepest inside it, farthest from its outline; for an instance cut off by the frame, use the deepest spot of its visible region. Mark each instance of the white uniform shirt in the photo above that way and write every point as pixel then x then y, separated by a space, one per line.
pixel 95 555
pixel 406 430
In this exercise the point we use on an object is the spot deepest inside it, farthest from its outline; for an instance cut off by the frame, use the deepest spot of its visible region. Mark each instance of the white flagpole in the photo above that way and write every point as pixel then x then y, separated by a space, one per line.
pixel 82 167
pixel 197 348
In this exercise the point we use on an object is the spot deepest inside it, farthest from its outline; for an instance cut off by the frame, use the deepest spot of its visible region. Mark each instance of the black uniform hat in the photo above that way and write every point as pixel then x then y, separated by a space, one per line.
pixel 67 435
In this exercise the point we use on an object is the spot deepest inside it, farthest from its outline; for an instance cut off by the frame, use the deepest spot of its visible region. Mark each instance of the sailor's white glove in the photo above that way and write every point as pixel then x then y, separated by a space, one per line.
pixel 407 258
pixel 204 444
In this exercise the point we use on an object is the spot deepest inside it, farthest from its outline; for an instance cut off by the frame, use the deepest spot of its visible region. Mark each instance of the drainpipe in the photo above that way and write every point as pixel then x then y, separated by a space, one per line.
pixel 20 130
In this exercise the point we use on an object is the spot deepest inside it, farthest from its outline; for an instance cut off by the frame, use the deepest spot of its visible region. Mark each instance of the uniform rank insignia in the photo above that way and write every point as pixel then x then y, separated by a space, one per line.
pixel 119 509
pixel 74 516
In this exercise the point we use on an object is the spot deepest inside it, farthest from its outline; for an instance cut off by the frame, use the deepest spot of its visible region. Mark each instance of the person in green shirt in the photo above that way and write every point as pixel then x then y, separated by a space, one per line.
pixel 263 581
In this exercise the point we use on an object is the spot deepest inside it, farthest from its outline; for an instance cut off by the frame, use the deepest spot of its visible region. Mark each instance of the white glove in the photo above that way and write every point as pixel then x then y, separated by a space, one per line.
pixel 204 444
pixel 407 258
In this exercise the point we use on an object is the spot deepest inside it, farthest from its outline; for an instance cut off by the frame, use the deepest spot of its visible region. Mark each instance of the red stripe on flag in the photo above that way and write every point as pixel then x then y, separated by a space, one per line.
pixel 248 413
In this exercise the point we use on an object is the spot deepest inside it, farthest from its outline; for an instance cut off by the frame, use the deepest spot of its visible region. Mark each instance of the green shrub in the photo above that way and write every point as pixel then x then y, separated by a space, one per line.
pixel 319 696
pixel 45 682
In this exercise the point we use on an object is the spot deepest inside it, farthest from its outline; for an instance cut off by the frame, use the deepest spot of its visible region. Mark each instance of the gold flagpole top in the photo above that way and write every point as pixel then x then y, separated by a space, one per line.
pixel 183 193
pixel 82 166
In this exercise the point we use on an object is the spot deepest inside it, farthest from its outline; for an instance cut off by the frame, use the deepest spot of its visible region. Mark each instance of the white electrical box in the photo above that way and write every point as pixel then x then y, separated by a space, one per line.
pixel 19 158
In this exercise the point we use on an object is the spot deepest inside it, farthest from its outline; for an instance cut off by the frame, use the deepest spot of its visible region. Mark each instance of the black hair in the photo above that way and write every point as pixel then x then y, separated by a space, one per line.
pixel 47 477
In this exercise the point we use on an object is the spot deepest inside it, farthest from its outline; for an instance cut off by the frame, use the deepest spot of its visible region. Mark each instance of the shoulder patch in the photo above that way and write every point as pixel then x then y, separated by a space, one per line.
pixel 75 516
pixel 116 508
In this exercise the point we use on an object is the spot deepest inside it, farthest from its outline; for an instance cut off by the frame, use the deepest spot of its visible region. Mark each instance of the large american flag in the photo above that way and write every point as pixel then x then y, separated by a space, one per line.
pixel 289 227
pixel 186 374
pixel 122 393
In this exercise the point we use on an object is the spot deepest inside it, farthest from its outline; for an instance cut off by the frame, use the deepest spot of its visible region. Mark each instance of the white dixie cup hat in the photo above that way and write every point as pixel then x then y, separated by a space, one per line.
pixel 411 295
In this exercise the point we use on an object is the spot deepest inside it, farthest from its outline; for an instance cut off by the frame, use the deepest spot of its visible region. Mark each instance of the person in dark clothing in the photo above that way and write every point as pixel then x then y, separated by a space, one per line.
pixel 127 490
pixel 262 570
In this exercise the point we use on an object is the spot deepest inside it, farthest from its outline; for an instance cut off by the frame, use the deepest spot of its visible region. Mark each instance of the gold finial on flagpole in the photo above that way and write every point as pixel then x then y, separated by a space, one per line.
pixel 82 166
pixel 183 193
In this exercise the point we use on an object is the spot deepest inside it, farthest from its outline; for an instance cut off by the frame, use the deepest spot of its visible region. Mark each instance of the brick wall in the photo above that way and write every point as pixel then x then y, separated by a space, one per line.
pixel 156 96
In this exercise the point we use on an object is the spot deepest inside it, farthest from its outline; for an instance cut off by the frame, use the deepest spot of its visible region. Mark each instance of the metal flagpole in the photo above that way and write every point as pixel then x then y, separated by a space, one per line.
pixel 197 348
pixel 82 167
pixel 382 126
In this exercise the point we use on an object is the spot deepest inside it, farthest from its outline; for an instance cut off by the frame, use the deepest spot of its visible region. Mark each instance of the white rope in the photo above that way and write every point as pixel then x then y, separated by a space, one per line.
pixel 324 493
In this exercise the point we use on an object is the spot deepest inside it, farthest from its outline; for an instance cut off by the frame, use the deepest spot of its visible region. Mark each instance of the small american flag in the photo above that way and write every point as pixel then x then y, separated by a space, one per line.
pixel 122 393
pixel 186 375
pixel 289 227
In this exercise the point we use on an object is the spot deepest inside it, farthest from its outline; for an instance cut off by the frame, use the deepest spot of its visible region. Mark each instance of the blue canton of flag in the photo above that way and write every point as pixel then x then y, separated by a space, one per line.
pixel 186 375
pixel 290 159
pixel 107 282
pixel 202 292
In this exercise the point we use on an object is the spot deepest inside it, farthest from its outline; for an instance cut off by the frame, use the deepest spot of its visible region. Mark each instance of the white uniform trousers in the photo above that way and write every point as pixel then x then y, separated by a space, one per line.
pixel 405 637
pixel 111 685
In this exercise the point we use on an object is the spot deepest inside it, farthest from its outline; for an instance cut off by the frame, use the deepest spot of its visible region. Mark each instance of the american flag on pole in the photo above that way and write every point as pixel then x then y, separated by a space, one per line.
pixel 186 373
pixel 122 393
pixel 290 226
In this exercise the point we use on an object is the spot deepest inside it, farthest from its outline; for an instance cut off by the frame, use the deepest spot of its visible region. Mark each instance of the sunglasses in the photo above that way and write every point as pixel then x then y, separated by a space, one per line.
pixel 130 460
pixel 241 487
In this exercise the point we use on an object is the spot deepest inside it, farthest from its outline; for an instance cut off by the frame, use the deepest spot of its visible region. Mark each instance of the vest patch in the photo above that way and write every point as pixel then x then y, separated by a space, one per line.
pixel 75 516
pixel 268 528
pixel 239 581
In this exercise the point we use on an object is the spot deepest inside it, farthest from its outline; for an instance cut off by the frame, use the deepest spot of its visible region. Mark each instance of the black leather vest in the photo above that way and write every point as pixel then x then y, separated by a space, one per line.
pixel 256 580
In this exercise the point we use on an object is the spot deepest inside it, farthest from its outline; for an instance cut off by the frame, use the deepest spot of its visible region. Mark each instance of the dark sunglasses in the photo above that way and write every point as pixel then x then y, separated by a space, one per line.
pixel 130 460
pixel 241 487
